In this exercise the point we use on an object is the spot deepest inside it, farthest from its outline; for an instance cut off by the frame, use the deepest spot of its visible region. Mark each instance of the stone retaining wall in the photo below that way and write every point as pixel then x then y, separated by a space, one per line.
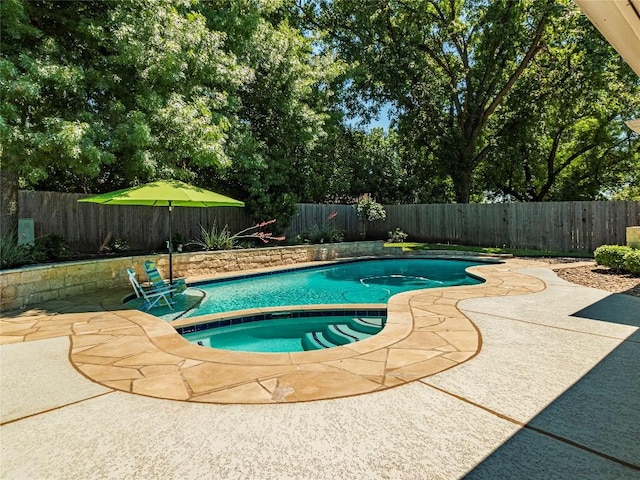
pixel 30 285
pixel 633 237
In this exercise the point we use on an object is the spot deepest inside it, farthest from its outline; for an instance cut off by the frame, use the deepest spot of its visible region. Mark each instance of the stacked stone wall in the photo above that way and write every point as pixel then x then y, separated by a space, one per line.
pixel 633 237
pixel 35 284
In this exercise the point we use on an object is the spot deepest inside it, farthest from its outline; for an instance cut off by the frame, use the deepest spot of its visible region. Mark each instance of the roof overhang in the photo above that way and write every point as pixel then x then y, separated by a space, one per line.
pixel 619 22
pixel 634 125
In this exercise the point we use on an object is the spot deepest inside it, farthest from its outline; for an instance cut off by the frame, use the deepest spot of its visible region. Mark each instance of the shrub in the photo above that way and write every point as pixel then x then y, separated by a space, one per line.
pixel 397 236
pixel 119 245
pixel 11 254
pixel 49 247
pixel 178 239
pixel 369 211
pixel 611 256
pixel 45 248
pixel 322 234
pixel 632 262
pixel 325 233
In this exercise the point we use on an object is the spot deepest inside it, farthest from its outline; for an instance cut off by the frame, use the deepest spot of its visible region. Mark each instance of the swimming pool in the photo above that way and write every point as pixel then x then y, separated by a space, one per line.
pixel 370 281
pixel 352 282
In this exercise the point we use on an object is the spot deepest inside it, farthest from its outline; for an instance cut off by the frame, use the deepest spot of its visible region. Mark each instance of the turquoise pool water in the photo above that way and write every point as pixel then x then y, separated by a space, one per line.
pixel 362 281
pixel 282 335
pixel 353 282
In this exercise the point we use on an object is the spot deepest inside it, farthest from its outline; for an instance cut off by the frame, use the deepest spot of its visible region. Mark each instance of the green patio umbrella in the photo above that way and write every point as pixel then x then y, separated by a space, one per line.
pixel 165 193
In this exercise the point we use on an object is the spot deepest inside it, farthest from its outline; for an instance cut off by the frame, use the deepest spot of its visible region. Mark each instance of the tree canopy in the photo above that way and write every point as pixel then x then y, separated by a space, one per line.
pixel 471 80
pixel 102 95
pixel 501 100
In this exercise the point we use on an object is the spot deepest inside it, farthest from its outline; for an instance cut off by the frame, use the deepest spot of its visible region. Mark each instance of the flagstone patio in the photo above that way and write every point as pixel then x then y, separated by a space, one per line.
pixel 136 352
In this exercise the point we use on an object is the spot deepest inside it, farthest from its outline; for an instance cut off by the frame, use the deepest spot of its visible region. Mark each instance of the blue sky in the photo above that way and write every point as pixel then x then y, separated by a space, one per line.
pixel 381 122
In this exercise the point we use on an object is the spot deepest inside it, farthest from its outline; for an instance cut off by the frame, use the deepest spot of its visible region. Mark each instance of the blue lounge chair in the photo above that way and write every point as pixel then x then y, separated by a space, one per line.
pixel 179 284
pixel 153 296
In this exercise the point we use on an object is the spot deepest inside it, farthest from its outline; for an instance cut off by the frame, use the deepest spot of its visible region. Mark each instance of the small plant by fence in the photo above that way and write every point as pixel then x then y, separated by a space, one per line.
pixel 560 226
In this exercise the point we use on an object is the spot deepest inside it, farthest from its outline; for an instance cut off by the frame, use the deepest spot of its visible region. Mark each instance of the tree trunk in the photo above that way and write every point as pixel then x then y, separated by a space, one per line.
pixel 462 184
pixel 8 201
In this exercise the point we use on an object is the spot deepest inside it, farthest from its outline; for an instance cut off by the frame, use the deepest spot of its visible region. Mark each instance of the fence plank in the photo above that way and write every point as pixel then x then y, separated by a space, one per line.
pixel 561 226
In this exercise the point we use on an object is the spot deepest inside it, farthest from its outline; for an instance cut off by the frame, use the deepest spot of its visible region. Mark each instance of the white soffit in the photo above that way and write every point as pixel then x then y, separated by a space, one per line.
pixel 619 22
pixel 634 125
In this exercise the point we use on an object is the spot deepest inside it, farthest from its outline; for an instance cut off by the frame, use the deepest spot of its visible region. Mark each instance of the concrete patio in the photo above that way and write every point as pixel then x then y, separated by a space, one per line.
pixel 544 383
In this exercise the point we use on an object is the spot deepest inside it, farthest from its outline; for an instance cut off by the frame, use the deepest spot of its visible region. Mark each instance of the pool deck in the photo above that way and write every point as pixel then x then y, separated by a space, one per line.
pixel 523 376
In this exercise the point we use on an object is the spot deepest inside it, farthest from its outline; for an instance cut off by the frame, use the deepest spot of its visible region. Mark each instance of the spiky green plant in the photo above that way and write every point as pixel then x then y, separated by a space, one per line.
pixel 215 238
pixel 11 254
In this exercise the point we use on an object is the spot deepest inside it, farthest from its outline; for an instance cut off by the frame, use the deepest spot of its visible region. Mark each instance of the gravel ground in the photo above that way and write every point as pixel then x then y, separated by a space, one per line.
pixel 603 278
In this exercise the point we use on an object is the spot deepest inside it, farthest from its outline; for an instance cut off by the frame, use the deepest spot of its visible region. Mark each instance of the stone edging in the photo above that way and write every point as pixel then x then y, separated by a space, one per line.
pixel 425 334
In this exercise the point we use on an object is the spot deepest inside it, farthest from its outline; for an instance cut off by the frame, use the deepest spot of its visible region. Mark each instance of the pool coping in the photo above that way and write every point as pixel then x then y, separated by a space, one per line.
pixel 134 352
pixel 242 317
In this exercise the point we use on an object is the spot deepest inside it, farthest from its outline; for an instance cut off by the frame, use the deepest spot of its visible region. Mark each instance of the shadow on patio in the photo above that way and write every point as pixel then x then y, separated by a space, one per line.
pixel 592 429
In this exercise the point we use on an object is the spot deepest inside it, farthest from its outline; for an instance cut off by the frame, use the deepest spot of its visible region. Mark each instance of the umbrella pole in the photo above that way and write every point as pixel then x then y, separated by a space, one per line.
pixel 170 247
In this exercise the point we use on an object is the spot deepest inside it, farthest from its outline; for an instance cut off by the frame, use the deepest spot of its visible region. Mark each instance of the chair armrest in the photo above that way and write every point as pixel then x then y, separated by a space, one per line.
pixel 154 289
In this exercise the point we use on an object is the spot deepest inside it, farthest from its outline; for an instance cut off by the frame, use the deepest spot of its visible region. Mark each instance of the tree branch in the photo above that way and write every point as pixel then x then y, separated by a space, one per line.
pixel 534 48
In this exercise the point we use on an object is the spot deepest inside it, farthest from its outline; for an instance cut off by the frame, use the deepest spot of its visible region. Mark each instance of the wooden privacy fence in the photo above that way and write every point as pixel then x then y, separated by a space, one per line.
pixel 88 226
pixel 560 226
pixel 310 214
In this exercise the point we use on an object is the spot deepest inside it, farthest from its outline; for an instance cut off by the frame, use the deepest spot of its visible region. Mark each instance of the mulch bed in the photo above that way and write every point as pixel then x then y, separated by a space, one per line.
pixel 602 278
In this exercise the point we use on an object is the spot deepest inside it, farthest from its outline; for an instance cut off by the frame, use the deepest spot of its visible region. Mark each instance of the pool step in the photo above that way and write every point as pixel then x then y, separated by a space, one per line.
pixel 338 334
pixel 370 325
pixel 341 334
pixel 316 341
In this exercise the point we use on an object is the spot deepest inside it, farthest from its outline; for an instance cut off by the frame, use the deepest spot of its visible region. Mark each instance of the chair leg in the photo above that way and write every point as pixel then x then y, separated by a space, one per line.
pixel 151 303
